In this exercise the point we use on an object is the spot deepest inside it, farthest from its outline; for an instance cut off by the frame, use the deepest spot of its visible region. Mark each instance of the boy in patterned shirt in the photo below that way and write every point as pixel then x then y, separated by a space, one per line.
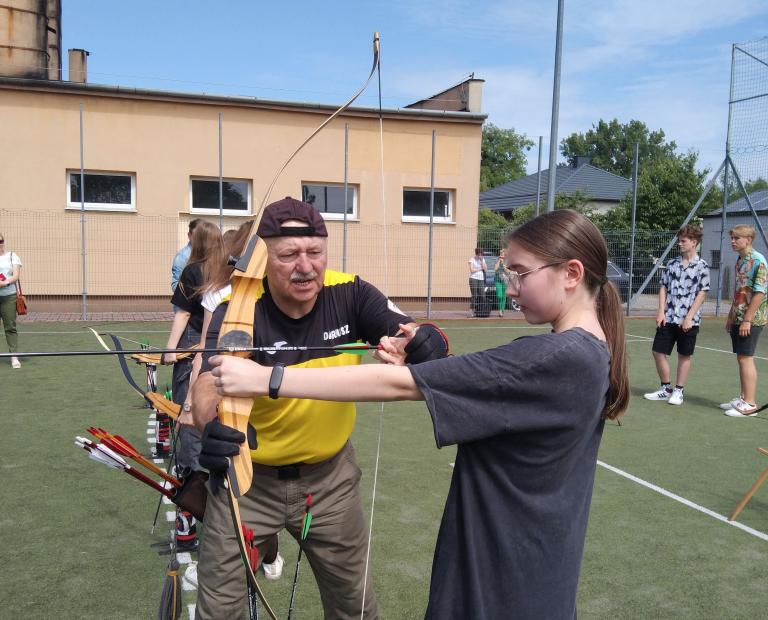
pixel 746 319
pixel 684 285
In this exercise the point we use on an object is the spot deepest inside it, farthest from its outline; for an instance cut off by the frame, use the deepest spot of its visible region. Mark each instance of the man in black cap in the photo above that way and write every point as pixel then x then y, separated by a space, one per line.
pixel 302 446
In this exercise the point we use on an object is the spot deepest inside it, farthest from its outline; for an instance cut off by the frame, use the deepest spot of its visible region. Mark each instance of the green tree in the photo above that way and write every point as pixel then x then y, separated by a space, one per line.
pixel 502 157
pixel 667 189
pixel 611 145
pixel 490 228
pixel 734 191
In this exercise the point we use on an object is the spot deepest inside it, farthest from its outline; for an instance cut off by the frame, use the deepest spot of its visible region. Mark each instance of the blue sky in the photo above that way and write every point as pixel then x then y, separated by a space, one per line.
pixel 664 62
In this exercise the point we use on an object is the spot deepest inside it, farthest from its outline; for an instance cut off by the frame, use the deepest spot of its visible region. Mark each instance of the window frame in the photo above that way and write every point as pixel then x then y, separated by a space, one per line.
pixel 355 187
pixel 100 206
pixel 449 219
pixel 215 211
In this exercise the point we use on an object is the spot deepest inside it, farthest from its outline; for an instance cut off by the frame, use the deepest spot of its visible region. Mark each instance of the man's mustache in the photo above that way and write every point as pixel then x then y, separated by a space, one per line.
pixel 297 276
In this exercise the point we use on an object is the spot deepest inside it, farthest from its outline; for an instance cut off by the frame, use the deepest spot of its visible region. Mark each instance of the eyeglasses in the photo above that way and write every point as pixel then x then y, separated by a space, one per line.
pixel 515 278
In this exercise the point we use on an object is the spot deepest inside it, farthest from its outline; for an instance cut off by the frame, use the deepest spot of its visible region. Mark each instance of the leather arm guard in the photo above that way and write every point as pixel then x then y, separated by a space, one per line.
pixel 429 343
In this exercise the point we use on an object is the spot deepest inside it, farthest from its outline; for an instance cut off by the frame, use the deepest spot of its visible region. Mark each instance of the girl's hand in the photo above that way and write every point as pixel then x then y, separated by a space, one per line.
pixel 168 358
pixel 237 376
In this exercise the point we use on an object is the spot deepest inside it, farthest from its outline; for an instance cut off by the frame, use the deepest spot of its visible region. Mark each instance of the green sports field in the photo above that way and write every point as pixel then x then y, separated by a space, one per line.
pixel 75 537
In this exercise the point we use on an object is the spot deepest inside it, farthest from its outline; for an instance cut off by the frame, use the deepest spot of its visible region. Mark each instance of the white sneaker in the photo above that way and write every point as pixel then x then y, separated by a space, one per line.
pixel 15 363
pixel 742 410
pixel 190 575
pixel 677 397
pixel 661 394
pixel 731 403
pixel 274 571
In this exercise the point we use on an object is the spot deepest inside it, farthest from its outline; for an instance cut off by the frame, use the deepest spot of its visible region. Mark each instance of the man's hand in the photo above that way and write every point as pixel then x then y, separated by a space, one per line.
pixel 660 322
pixel 392 349
pixel 217 444
pixel 687 323
pixel 745 328
pixel 237 376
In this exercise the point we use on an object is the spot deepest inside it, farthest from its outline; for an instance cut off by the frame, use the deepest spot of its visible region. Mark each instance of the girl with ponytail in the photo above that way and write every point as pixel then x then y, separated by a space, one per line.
pixel 527 418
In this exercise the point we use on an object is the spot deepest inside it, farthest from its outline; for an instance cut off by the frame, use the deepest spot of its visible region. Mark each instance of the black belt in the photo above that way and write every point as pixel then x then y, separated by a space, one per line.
pixel 294 471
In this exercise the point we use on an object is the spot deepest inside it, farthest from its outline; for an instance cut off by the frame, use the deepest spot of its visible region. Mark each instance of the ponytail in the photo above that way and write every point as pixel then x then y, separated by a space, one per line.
pixel 611 318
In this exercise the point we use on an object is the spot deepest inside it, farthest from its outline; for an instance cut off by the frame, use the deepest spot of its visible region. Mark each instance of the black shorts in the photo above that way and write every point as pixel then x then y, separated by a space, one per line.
pixel 670 334
pixel 745 345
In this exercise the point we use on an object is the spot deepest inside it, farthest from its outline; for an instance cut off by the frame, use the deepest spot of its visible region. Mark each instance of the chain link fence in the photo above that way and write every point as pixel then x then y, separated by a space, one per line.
pixel 128 261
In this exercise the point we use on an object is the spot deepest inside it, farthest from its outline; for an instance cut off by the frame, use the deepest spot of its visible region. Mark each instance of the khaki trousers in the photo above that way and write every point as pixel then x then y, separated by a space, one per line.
pixel 8 317
pixel 335 548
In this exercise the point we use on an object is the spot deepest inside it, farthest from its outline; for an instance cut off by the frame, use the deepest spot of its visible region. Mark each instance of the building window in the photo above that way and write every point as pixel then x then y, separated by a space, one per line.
pixel 715 262
pixel 416 205
pixel 236 196
pixel 328 198
pixel 108 191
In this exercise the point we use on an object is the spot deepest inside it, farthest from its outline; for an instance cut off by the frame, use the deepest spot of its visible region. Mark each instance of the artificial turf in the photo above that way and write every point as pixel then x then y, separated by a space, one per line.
pixel 76 541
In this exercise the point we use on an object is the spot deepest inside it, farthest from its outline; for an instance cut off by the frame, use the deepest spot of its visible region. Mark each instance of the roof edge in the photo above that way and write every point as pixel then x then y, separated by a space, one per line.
pixel 104 90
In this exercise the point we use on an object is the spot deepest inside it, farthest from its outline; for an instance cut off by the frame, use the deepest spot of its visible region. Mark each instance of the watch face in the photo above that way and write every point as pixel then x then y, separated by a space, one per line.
pixel 187 407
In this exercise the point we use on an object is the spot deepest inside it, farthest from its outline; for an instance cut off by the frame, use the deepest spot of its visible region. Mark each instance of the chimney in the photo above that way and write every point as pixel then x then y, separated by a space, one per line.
pixel 475 95
pixel 78 66
pixel 580 160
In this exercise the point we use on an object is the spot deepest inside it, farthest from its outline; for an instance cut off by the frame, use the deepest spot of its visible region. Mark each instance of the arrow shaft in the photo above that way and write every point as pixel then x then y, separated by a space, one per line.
pixel 340 348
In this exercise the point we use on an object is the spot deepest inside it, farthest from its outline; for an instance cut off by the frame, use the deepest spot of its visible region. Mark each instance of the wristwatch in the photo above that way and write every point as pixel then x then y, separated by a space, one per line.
pixel 186 407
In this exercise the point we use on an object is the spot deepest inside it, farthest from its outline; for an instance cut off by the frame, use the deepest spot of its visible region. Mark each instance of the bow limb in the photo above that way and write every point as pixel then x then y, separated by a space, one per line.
pixel 344 106
pixel 237 330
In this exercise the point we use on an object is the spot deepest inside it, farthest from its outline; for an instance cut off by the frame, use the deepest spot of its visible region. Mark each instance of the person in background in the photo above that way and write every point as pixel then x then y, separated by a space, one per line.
pixel 684 285
pixel 502 281
pixel 207 255
pixel 10 270
pixel 181 258
pixel 746 318
pixel 476 280
pixel 527 417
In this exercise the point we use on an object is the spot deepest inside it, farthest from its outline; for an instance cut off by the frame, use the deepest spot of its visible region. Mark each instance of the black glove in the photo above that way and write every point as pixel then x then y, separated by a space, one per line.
pixel 217 443
pixel 429 343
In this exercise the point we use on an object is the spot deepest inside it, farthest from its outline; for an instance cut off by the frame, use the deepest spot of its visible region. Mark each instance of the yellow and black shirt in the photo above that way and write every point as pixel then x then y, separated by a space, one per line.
pixel 348 309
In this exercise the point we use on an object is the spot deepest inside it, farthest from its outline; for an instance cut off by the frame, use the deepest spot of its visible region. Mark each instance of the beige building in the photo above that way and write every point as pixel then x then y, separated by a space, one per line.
pixel 151 163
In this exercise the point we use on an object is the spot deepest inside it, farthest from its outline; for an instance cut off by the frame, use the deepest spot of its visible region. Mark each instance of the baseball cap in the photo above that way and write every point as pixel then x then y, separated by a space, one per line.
pixel 271 224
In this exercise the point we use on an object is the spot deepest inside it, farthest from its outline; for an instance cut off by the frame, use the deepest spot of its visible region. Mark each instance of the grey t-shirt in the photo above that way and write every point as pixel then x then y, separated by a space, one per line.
pixel 527 420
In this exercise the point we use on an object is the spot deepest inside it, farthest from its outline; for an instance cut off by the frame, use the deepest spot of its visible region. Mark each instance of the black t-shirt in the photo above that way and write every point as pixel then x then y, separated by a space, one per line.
pixel 187 297
pixel 347 309
pixel 292 430
pixel 527 420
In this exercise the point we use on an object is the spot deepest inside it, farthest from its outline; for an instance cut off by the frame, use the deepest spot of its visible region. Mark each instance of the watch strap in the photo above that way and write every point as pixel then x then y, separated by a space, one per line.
pixel 275 379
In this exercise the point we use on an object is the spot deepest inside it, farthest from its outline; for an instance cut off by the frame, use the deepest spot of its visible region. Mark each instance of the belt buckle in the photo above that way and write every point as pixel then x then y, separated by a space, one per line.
pixel 288 472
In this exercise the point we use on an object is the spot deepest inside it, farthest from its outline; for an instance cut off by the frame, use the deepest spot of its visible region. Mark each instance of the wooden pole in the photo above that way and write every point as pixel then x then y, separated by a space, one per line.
pixel 753 489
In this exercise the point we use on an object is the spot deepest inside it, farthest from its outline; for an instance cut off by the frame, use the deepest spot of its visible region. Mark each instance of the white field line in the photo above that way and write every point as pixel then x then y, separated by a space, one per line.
pixel 682 500
pixel 648 338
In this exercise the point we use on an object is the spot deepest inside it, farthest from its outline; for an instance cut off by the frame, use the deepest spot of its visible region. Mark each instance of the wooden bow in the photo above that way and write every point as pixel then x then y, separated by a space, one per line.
pixel 238 330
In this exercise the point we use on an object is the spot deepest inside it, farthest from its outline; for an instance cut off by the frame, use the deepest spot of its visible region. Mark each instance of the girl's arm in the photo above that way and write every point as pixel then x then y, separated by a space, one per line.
pixel 236 376
pixel 197 362
pixel 180 320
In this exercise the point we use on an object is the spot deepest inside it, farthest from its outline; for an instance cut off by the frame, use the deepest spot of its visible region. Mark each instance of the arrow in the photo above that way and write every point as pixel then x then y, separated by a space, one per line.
pixel 353 348
pixel 304 533
pixel 123 447
pixel 102 454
